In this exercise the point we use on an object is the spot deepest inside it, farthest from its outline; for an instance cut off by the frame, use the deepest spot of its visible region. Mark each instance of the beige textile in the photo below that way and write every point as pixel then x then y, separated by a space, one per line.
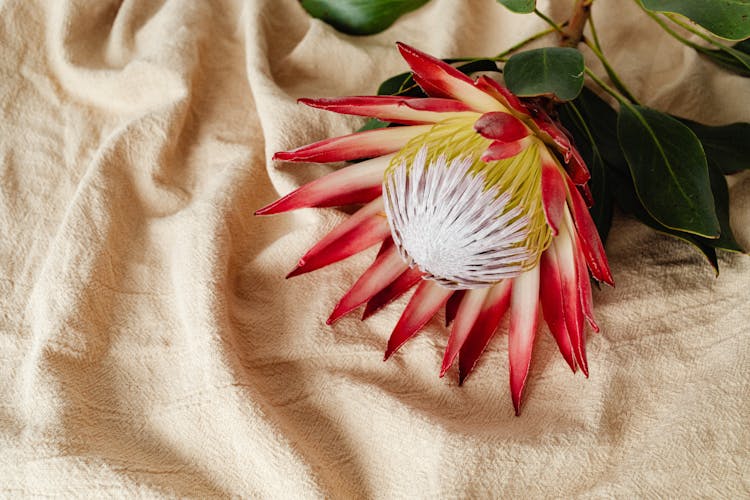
pixel 150 345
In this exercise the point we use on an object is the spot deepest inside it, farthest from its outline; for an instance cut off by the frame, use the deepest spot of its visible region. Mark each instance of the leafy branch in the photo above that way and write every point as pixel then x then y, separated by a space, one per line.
pixel 665 171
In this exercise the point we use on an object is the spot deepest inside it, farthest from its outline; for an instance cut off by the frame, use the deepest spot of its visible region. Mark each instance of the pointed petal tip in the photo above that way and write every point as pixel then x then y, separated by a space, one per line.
pixel 422 307
pixel 407 50
pixel 283 156
pixel 333 317
pixel 298 269
pixel 516 396
pixel 390 350
pixel 444 368
pixel 268 209
pixel 338 312
pixel 317 103
pixel 516 393
pixel 464 372
pixel 593 325
pixel 403 46
pixel 360 231
pixel 413 55
pixel 604 276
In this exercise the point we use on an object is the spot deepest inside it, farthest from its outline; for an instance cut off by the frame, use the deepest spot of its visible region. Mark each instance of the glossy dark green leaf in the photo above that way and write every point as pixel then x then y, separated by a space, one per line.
pixel 726 146
pixel 548 71
pixel 728 19
pixel 360 17
pixel 627 199
pixel 573 116
pixel 401 84
pixel 602 122
pixel 726 240
pixel 519 6
pixel 735 58
pixel 669 170
pixel 599 184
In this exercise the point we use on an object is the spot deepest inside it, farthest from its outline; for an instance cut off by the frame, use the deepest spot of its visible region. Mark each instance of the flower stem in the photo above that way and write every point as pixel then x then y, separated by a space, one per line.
pixel 669 30
pixel 523 43
pixel 693 30
pixel 549 21
pixel 594 33
pixel 596 48
pixel 573 34
pixel 611 91
pixel 610 71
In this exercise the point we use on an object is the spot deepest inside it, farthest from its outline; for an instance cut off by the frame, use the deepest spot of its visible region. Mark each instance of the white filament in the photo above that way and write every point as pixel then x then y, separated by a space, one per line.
pixel 445 220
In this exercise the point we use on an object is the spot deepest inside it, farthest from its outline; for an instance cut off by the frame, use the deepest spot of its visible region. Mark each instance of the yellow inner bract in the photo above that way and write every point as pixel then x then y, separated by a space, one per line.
pixel 520 175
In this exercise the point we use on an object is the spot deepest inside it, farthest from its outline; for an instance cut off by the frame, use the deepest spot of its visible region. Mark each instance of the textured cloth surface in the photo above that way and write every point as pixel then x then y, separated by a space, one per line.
pixel 150 345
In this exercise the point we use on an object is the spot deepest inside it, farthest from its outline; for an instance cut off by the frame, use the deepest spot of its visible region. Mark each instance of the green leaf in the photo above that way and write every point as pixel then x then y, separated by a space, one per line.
pixel 599 184
pixel 574 116
pixel 475 66
pixel 401 84
pixel 519 6
pixel 551 70
pixel 372 124
pixel 593 124
pixel 726 146
pixel 726 240
pixel 628 200
pixel 669 168
pixel 360 17
pixel 602 122
pixel 404 84
pixel 735 58
pixel 728 19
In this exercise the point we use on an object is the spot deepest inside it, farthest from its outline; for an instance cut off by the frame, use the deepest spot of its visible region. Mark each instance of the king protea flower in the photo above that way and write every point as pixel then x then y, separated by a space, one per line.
pixel 479 200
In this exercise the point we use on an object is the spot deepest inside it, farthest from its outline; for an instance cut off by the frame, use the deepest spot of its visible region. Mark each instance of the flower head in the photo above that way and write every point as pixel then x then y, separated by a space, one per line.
pixel 478 198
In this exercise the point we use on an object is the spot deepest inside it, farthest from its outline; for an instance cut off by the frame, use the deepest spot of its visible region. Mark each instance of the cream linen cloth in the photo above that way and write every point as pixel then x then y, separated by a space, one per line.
pixel 151 347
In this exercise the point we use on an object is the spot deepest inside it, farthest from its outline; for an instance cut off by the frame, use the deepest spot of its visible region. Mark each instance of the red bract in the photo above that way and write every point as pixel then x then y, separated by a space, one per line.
pixel 476 198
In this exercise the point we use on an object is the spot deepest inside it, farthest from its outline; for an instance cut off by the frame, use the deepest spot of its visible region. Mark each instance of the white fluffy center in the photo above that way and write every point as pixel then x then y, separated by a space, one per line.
pixel 445 220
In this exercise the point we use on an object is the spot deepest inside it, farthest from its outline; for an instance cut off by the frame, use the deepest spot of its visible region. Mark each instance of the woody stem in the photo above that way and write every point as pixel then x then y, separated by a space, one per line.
pixel 573 34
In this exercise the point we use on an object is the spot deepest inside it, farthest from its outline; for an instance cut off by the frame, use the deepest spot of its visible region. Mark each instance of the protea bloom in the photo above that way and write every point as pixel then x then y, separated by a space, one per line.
pixel 479 198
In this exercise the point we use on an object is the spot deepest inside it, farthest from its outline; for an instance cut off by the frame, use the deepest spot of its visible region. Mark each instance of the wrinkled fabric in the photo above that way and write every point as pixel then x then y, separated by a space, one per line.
pixel 150 345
